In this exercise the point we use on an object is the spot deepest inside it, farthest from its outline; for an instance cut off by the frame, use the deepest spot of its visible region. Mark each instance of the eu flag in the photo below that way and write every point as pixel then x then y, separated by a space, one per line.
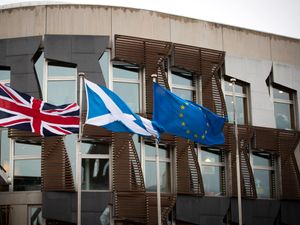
pixel 186 119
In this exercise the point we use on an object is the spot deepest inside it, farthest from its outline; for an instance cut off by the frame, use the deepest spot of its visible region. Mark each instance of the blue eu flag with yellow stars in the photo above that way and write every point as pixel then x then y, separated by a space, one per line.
pixel 186 119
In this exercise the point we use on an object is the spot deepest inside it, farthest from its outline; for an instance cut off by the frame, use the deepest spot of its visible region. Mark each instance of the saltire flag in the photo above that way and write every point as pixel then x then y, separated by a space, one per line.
pixel 23 112
pixel 108 110
pixel 186 119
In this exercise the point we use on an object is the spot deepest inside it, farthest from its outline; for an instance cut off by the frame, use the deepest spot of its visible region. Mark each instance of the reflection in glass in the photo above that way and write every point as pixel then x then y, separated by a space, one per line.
pixel 104 64
pixel 261 159
pixel 95 174
pixel 150 151
pixel 184 94
pixel 129 93
pixel 70 143
pixel 185 79
pixel 263 181
pixel 4 151
pixel 212 177
pixel 211 156
pixel 27 149
pixel 35 216
pixel 4 76
pixel 127 71
pixel 279 94
pixel 61 71
pixel 238 88
pixel 39 68
pixel 137 144
pixel 95 148
pixel 27 175
pixel 240 108
pixel 282 115
pixel 61 92
pixel 165 176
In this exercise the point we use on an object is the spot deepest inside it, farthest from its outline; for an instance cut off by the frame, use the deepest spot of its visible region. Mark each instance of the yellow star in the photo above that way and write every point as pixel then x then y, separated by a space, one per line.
pixel 195 135
pixel 188 131
pixel 180 115
pixel 182 107
pixel 183 124
pixel 187 103
pixel 203 136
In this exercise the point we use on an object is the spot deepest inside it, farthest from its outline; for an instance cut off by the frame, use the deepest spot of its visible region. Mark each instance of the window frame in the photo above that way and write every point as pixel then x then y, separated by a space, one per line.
pixel 273 168
pixel 139 82
pixel 291 102
pixel 245 96
pixel 97 156
pixel 220 165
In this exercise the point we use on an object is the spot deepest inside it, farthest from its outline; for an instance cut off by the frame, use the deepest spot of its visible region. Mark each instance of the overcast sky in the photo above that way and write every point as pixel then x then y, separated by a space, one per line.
pixel 273 16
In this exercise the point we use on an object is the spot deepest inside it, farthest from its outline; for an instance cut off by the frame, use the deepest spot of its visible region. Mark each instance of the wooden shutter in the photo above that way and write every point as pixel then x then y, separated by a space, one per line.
pixel 56 166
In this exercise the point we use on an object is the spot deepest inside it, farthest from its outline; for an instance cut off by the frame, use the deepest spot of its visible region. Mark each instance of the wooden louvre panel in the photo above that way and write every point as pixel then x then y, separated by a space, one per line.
pixel 167 203
pixel 130 202
pixel 56 166
pixel 189 179
pixel 146 53
pixel 206 63
pixel 265 139
pixel 247 178
pixel 290 177
pixel 24 135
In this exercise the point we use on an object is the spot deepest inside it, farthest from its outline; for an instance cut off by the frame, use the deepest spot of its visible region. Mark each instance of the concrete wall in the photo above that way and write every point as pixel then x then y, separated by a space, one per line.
pixel 249 54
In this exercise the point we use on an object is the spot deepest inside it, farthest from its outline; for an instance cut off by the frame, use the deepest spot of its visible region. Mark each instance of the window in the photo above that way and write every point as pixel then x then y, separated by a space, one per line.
pixel 104 64
pixel 264 174
pixel 4 75
pixel 61 84
pixel 283 107
pixel 146 152
pixel 150 167
pixel 95 166
pixel 27 167
pixel 183 85
pixel 241 94
pixel 35 215
pixel 212 163
pixel 4 154
pixel 127 84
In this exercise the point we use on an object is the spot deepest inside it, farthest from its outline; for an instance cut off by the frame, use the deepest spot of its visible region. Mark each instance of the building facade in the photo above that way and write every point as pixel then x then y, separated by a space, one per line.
pixel 44 47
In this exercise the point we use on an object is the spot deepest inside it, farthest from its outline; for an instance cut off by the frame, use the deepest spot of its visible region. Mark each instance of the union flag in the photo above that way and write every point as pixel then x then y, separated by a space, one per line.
pixel 24 112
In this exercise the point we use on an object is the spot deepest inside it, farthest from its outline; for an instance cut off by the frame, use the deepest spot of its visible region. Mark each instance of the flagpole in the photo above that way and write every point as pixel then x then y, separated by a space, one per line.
pixel 238 175
pixel 78 148
pixel 154 77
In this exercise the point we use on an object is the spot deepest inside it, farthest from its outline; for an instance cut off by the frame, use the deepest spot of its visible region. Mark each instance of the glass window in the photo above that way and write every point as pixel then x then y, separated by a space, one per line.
pixel 95 166
pixel 4 151
pixel 5 76
pixel 264 174
pixel 164 167
pixel 126 84
pixel 104 64
pixel 27 167
pixel 241 101
pixel 61 85
pixel 212 162
pixel 183 85
pixel 39 68
pixel 283 108
pixel 35 215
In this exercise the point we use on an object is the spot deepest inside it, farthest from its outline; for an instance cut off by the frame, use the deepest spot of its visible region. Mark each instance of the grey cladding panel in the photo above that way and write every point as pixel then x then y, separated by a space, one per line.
pixel 84 51
pixel 17 53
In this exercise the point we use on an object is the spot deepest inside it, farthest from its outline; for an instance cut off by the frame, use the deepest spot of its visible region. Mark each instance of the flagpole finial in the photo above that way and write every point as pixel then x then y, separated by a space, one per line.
pixel 154 77
pixel 81 74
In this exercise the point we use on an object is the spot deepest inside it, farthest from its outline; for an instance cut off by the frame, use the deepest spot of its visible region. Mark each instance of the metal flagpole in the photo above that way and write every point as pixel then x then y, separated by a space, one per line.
pixel 154 76
pixel 238 175
pixel 78 148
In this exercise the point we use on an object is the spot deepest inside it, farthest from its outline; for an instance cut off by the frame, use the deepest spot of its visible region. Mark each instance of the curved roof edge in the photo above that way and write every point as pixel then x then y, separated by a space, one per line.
pixel 88 3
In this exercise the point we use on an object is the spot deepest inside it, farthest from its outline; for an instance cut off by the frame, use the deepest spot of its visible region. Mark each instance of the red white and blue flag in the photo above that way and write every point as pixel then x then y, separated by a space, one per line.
pixel 24 112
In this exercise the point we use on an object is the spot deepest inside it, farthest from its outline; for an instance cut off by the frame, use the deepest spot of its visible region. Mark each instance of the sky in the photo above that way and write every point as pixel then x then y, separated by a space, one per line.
pixel 280 17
